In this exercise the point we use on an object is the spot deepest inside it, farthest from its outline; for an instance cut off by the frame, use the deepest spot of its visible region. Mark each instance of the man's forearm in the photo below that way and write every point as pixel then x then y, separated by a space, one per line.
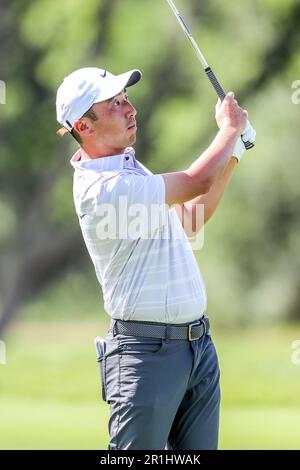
pixel 210 200
pixel 213 161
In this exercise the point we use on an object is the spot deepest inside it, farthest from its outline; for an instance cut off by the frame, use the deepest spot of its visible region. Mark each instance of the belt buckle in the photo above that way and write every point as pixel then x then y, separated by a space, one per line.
pixel 190 332
pixel 197 324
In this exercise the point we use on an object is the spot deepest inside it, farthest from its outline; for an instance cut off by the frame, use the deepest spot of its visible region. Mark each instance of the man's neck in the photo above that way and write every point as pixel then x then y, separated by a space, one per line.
pixel 98 152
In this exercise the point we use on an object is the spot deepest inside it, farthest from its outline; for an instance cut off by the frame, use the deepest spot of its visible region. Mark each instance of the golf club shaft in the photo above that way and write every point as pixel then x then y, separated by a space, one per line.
pixel 210 74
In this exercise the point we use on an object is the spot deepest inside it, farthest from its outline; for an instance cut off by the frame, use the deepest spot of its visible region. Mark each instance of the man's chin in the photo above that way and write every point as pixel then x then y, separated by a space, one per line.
pixel 132 139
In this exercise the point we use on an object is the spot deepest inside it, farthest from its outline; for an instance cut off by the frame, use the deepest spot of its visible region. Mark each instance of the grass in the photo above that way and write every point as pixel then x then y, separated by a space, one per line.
pixel 46 424
pixel 260 427
pixel 50 390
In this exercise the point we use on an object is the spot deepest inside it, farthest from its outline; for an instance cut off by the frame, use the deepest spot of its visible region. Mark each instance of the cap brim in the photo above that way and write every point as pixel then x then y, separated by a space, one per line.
pixel 134 77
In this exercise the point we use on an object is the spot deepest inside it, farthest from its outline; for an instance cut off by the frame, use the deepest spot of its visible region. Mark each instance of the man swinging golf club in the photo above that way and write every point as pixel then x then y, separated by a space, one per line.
pixel 159 368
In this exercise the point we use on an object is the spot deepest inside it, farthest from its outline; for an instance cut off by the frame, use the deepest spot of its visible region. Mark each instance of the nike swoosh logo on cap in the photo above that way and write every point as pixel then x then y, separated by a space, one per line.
pixel 103 74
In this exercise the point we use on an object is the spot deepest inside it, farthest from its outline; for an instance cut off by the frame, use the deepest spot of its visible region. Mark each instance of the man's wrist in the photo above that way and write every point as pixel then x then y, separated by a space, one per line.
pixel 230 130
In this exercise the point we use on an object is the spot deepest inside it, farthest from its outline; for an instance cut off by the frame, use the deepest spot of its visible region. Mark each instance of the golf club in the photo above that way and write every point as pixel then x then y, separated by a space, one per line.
pixel 210 74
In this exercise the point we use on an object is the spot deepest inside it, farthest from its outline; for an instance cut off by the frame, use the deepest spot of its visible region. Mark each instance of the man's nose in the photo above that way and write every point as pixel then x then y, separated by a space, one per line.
pixel 131 112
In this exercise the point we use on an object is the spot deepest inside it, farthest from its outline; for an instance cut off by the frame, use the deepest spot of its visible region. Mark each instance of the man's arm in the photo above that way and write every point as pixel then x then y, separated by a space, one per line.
pixel 188 212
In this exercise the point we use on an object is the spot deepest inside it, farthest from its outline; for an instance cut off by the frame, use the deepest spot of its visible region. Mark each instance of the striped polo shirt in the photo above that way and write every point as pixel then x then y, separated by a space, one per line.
pixel 142 257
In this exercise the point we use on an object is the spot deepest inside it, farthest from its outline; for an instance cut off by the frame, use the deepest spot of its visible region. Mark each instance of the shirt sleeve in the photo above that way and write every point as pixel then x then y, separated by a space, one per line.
pixel 132 206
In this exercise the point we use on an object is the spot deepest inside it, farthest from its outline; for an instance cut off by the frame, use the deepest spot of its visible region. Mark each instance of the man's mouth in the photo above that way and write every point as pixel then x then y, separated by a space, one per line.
pixel 132 125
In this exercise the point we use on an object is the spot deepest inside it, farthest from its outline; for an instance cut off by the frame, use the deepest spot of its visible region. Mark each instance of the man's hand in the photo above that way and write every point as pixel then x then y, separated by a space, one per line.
pixel 230 114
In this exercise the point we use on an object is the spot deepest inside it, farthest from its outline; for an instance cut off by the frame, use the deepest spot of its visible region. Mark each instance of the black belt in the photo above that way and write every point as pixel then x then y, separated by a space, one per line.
pixel 189 332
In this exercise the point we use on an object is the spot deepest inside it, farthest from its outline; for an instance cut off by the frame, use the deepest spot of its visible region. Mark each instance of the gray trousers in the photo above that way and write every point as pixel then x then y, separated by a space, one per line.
pixel 163 394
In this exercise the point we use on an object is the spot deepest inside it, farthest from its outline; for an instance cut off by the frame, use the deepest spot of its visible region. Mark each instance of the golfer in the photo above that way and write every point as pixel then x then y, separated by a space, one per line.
pixel 159 368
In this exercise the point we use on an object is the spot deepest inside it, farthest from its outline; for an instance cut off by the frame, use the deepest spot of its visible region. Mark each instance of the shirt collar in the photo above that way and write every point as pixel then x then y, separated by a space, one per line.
pixel 114 162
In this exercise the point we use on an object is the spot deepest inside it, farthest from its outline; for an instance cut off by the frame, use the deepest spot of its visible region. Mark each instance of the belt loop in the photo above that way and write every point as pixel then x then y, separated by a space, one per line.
pixel 204 325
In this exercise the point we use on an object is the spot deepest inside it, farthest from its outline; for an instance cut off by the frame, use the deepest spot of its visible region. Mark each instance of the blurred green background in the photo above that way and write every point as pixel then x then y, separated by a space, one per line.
pixel 50 303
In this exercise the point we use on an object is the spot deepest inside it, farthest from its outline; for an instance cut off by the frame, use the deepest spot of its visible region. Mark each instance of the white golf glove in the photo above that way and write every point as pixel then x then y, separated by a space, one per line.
pixel 249 134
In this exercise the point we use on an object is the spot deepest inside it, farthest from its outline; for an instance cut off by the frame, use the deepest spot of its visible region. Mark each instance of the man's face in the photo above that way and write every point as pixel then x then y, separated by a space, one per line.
pixel 116 126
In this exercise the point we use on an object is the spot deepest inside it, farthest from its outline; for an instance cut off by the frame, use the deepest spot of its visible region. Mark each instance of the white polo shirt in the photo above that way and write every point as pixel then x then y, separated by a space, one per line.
pixel 142 257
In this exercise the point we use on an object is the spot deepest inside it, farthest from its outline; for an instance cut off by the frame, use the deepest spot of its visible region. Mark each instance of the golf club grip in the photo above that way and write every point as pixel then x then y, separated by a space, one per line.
pixel 214 81
pixel 221 94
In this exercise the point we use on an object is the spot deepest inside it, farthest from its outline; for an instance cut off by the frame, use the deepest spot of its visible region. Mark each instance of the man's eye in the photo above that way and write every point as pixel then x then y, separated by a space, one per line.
pixel 118 102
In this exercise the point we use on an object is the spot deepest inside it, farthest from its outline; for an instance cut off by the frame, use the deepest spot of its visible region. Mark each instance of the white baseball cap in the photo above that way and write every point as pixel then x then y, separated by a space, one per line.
pixel 84 87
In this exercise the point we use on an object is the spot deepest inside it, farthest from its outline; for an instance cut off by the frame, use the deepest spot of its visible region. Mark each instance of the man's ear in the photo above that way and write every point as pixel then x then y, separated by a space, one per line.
pixel 83 126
